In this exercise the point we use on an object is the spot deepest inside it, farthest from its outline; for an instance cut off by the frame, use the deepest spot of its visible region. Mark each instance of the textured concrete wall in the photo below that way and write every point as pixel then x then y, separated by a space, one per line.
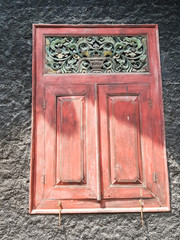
pixel 16 18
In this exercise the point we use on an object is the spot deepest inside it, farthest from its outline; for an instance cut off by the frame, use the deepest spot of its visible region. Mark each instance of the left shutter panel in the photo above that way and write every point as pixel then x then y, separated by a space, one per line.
pixel 70 168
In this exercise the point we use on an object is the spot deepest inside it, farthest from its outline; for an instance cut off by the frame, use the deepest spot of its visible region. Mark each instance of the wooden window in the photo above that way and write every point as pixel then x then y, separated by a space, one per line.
pixel 98 141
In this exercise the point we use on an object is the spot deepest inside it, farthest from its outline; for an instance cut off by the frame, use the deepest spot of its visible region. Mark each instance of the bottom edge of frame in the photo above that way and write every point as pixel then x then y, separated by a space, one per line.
pixel 98 210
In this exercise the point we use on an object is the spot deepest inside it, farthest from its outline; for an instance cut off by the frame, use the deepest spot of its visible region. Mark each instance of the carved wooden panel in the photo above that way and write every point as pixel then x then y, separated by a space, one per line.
pixel 96 54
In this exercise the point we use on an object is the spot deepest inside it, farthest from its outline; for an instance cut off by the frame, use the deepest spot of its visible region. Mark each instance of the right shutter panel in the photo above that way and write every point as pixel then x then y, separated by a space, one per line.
pixel 126 141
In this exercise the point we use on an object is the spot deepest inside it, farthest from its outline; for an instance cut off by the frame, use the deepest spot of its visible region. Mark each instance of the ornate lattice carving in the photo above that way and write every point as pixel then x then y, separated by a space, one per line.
pixel 96 54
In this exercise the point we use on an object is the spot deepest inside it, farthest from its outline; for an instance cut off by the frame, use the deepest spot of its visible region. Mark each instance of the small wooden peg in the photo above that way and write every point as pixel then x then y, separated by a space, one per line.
pixel 59 204
pixel 141 204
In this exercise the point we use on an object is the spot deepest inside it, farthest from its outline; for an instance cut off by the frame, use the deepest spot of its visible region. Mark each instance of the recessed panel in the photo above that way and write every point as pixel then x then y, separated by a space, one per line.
pixel 124 138
pixel 70 139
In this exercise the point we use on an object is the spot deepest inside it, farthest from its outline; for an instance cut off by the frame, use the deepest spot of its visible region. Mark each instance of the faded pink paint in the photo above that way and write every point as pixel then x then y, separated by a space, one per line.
pixel 97 139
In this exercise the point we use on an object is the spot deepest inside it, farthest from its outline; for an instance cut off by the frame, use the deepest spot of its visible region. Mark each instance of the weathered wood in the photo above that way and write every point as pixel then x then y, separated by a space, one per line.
pixel 98 141
pixel 125 122
pixel 70 126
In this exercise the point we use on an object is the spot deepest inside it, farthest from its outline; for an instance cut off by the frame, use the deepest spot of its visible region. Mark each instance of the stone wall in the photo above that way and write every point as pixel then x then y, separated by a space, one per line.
pixel 16 18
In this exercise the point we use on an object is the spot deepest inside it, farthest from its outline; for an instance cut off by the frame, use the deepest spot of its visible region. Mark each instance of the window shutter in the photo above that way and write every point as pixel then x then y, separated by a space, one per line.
pixel 98 141
pixel 126 141
pixel 69 127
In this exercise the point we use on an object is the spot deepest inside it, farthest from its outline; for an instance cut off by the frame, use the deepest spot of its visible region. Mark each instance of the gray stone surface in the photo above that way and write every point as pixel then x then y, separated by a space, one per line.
pixel 16 18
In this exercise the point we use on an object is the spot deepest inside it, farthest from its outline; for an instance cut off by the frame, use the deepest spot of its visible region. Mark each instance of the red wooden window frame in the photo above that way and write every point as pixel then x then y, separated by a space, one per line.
pixel 100 186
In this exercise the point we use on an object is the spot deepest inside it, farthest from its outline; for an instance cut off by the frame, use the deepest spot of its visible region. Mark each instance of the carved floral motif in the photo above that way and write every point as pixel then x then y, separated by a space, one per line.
pixel 96 54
